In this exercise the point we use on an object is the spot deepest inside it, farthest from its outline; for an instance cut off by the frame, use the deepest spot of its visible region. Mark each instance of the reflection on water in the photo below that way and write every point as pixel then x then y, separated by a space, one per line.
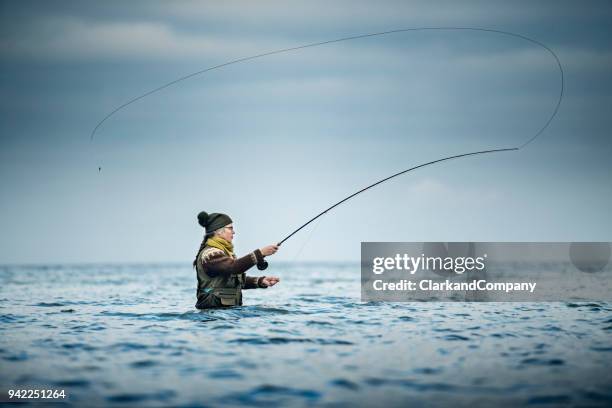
pixel 129 335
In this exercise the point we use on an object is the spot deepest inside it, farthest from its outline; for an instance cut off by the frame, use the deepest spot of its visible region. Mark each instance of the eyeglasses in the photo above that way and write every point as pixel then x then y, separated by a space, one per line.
pixel 229 228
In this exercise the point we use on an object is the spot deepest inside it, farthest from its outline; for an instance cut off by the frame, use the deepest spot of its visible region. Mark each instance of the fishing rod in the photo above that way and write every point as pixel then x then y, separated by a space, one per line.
pixel 389 178
pixel 264 264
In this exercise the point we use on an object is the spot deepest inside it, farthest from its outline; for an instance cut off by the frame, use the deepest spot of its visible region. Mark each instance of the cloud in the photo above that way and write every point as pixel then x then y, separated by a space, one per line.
pixel 325 15
pixel 70 38
pixel 64 38
pixel 234 29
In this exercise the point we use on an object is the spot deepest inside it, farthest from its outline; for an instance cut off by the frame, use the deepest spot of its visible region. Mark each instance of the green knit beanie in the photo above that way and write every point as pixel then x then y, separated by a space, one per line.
pixel 214 221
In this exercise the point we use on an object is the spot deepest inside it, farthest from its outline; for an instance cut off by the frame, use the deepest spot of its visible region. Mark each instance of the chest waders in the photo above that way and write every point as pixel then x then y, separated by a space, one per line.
pixel 228 289
pixel 231 295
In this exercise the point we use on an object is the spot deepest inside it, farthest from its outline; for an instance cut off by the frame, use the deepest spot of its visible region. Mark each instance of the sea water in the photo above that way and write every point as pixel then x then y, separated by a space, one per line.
pixel 130 335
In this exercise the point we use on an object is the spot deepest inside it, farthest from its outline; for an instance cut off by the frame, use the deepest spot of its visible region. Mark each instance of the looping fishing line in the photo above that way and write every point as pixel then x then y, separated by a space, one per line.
pixel 355 37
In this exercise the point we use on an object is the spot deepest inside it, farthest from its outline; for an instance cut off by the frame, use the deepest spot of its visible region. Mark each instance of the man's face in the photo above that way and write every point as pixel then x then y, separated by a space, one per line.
pixel 227 232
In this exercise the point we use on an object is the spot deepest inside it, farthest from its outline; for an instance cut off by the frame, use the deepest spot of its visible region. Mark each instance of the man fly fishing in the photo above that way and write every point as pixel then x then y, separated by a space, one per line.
pixel 221 275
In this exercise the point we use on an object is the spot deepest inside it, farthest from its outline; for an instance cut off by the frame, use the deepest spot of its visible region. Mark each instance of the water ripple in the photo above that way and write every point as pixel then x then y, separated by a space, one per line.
pixel 286 340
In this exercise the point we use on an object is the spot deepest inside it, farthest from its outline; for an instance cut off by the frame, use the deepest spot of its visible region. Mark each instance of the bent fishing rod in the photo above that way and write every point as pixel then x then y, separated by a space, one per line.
pixel 389 178
pixel 264 264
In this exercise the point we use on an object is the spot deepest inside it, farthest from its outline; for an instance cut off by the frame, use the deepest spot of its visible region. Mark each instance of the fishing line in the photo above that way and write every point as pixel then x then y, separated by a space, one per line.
pixel 307 240
pixel 355 37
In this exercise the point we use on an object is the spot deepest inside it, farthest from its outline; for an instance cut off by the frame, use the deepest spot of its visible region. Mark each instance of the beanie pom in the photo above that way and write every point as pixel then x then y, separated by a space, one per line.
pixel 203 218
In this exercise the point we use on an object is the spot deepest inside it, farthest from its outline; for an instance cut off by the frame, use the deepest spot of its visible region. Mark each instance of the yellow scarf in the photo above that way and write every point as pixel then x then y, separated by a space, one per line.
pixel 222 244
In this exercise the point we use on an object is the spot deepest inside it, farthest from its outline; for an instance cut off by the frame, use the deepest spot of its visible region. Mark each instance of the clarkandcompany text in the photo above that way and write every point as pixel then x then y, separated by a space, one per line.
pixel 475 285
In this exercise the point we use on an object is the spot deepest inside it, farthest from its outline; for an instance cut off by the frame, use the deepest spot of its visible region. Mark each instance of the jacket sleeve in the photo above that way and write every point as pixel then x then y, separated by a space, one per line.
pixel 217 263
pixel 254 282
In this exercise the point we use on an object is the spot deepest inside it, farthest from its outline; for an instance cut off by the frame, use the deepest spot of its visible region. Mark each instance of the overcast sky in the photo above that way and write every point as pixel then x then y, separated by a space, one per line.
pixel 275 140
